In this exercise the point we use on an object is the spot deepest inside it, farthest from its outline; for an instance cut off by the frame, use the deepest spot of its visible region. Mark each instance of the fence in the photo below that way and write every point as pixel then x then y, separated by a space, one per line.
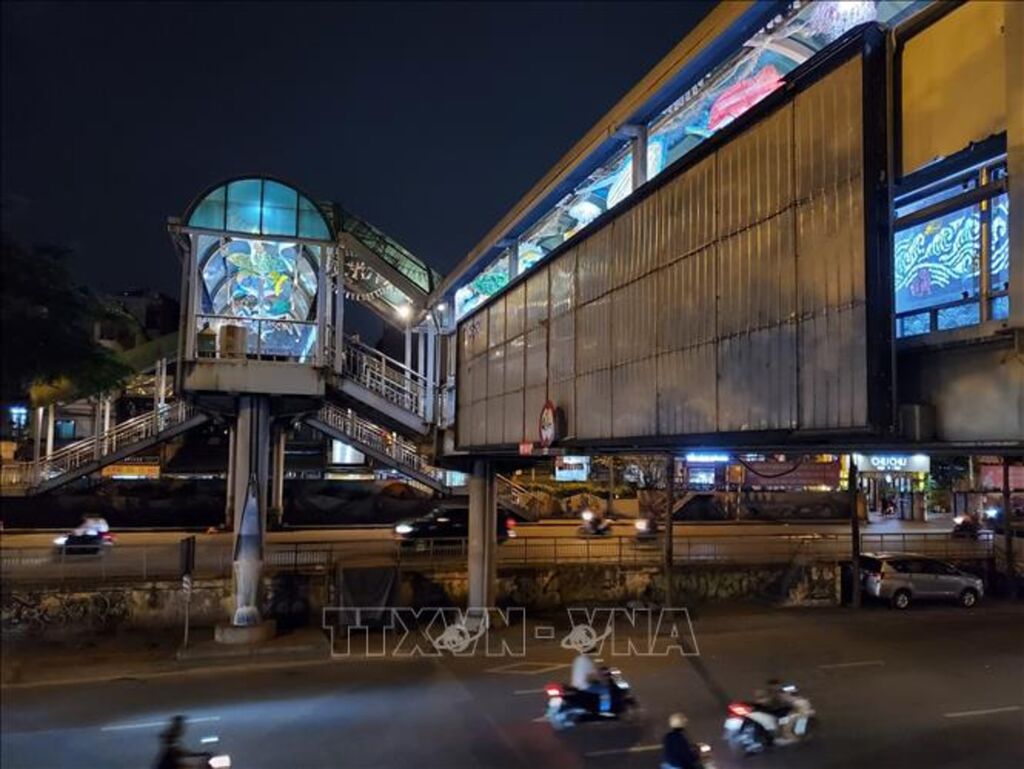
pixel 213 559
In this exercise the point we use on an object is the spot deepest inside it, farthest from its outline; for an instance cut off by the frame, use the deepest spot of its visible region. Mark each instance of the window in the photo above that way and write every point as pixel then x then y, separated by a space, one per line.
pixel 951 253
pixel 64 429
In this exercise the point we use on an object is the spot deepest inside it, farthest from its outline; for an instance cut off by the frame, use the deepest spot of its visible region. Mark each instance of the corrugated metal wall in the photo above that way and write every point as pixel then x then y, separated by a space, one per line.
pixel 732 299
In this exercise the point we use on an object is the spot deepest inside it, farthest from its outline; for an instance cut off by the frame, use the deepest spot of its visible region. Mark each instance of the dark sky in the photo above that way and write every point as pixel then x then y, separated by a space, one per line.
pixel 430 120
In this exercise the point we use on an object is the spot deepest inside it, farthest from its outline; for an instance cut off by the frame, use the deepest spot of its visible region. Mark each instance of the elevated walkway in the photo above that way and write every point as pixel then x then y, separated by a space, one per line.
pixel 88 455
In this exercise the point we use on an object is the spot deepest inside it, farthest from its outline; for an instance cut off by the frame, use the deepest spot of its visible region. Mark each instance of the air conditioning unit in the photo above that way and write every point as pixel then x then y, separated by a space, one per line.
pixel 232 341
pixel 917 422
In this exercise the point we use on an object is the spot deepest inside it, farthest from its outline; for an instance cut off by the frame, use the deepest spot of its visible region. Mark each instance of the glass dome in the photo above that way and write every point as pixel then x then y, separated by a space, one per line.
pixel 260 206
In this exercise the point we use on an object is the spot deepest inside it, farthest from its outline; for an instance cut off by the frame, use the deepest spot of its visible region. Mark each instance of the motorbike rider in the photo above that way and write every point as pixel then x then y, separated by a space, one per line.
pixel 777 699
pixel 172 754
pixel 677 750
pixel 587 678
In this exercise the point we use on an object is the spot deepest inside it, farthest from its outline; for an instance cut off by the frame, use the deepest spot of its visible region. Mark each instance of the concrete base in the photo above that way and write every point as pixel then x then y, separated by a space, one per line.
pixel 225 633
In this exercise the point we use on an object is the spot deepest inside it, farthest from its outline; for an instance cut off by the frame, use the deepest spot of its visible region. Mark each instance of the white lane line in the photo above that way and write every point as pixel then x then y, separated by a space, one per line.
pixel 528 691
pixel 151 724
pixel 986 712
pixel 862 664
pixel 620 751
pixel 540 719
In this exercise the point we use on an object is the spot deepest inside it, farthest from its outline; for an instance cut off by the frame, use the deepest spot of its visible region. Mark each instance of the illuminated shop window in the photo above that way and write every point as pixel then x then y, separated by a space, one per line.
pixel 938 262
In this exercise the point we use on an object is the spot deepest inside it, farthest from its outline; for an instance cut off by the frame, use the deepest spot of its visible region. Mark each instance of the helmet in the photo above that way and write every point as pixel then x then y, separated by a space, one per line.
pixel 677 721
pixel 174 729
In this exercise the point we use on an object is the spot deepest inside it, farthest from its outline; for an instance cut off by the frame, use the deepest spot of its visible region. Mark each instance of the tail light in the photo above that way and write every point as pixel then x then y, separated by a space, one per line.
pixel 739 709
pixel 553 690
pixel 510 523
pixel 107 536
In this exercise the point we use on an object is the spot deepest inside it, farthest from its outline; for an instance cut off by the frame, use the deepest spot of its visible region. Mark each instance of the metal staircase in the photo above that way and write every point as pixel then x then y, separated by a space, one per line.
pixel 399 396
pixel 91 454
pixel 378 443
pixel 519 500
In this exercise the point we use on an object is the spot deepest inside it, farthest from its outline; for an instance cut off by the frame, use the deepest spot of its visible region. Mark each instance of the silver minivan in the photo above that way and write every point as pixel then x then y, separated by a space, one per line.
pixel 901 578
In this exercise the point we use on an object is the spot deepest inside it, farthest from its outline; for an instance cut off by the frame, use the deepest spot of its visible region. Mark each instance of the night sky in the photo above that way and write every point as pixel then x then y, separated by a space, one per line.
pixel 430 120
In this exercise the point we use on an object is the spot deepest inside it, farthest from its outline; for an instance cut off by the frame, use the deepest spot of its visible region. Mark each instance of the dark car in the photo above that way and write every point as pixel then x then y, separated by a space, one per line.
pixel 447 521
pixel 81 543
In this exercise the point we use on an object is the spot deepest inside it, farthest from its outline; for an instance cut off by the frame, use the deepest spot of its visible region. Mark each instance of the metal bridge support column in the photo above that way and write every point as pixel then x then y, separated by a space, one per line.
pixel 229 504
pixel 97 428
pixel 50 412
pixel 37 444
pixel 249 481
pixel 277 475
pixel 483 533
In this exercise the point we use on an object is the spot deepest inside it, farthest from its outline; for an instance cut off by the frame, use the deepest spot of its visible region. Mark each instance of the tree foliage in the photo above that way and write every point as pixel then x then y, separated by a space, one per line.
pixel 46 336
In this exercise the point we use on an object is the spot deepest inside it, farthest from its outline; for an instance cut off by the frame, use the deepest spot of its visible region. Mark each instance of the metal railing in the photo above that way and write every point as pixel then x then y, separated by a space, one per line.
pixel 82 452
pixel 520 498
pixel 391 380
pixel 42 565
pixel 268 339
pixel 404 453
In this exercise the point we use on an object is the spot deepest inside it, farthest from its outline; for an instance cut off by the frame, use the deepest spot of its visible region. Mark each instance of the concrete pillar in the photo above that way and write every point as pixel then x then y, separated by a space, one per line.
pixel 229 506
pixel 421 363
pixel 339 313
pixel 106 423
pixel 50 416
pixel 483 530
pixel 639 155
pixel 277 474
pixel 431 373
pixel 250 477
pixel 37 444
pixel 97 428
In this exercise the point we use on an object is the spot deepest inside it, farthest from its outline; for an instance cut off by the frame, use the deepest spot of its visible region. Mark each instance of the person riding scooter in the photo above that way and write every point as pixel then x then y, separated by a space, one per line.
pixel 677 750
pixel 172 754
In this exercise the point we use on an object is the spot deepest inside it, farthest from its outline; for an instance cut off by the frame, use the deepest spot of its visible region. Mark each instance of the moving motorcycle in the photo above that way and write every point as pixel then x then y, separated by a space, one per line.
pixel 966 527
pixel 753 727
pixel 567 706
pixel 594 526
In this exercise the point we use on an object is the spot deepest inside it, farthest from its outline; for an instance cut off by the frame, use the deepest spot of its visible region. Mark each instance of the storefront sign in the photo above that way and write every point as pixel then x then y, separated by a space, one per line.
pixel 548 424
pixel 572 468
pixel 893 463
pixel 525 449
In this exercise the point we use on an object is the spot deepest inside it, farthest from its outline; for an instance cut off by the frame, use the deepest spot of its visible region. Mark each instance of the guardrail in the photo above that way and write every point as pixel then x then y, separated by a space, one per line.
pixel 391 380
pixel 213 559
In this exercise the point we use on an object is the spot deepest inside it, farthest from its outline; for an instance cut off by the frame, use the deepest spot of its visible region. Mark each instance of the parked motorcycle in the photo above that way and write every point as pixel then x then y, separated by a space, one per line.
pixel 568 706
pixel 753 727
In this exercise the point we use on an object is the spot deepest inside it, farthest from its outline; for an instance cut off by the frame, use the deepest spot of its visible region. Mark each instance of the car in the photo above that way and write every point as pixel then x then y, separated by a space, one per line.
pixel 81 542
pixel 95 523
pixel 446 521
pixel 901 578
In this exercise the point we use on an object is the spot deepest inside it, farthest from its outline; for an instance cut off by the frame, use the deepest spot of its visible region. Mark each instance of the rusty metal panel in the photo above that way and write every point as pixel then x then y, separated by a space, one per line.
pixel 533 404
pixel 467 378
pixel 496 419
pixel 833 369
pixel 515 311
pixel 691 210
pixel 827 123
pixel 593 271
pixel 634 399
pixel 595 390
pixel 685 305
pixel 634 320
pixel 537 299
pixel 563 395
pixel 514 417
pixel 755 175
pixel 496 323
pixel 478 426
pixel 475 329
pixel 593 334
pixel 830 248
pixel 536 357
pixel 563 284
pixel 515 364
pixel 757 380
pixel 562 348
pixel 496 371
pixel 463 424
pixel 687 398
pixel 757 276
pixel 623 255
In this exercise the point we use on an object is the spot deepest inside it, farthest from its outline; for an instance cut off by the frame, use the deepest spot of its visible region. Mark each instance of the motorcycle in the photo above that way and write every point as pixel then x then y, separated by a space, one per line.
pixel 647 529
pixel 753 727
pixel 216 761
pixel 593 526
pixel 568 706
pixel 966 527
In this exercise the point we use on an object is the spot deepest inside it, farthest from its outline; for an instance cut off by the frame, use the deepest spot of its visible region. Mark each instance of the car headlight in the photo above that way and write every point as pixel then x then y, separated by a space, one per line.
pixel 641 524
pixel 60 540
pixel 403 528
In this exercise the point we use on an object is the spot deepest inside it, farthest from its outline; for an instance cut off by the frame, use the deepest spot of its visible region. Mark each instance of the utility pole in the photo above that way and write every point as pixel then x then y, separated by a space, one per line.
pixel 854 535
pixel 670 487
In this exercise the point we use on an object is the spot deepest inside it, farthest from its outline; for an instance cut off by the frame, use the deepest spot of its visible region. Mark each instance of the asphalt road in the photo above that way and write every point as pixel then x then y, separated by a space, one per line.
pixel 934 687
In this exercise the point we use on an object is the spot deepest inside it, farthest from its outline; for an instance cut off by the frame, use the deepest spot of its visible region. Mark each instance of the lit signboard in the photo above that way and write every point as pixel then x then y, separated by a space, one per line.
pixel 893 463
pixel 706 458
pixel 572 468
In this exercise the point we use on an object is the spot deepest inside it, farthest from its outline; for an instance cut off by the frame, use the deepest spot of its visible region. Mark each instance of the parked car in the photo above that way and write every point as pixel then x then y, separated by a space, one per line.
pixel 901 578
pixel 446 521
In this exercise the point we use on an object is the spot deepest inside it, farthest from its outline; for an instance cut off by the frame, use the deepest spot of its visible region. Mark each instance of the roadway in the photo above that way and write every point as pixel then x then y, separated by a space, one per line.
pixel 935 687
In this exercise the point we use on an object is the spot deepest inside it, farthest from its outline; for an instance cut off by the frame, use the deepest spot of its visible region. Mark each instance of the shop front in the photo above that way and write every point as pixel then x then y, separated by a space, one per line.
pixel 894 485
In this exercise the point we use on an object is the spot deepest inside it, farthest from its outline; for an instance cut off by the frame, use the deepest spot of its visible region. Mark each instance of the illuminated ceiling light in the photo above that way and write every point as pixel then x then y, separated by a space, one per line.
pixel 404 312
pixel 441 307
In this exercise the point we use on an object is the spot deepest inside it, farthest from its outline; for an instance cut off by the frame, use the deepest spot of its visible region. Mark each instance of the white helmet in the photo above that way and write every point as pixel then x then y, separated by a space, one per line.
pixel 677 721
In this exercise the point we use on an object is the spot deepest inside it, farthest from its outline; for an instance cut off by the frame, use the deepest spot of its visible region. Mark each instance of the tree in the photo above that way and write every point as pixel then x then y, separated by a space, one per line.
pixel 47 321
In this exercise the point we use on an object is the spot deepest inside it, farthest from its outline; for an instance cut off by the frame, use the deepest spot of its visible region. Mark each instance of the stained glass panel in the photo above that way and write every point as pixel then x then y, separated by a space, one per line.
pixel 913 325
pixel 959 316
pixel 1000 240
pixel 938 261
pixel 1000 308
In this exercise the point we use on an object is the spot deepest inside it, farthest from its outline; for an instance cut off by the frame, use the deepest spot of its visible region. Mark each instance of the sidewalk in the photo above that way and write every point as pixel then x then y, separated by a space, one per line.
pixel 35 662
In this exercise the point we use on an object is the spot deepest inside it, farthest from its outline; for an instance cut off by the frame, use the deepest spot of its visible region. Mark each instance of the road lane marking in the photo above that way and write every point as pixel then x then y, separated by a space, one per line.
pixel 528 691
pixel 986 712
pixel 862 664
pixel 620 751
pixel 528 668
pixel 151 724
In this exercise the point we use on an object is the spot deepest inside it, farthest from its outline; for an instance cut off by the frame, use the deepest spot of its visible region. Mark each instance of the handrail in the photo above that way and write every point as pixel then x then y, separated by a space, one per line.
pixel 518 495
pixel 371 434
pixel 387 377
